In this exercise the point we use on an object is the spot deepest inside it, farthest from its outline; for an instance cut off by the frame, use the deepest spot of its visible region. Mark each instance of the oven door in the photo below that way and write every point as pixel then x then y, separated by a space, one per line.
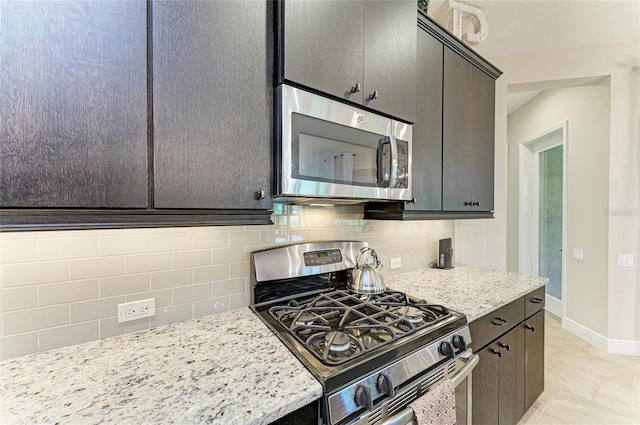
pixel 462 381
pixel 329 149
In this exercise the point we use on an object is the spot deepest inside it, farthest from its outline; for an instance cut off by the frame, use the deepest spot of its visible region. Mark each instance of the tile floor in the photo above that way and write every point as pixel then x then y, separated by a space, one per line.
pixel 583 385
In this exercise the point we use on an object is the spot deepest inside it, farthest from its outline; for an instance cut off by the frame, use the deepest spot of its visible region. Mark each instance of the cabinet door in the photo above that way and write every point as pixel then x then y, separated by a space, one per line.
pixel 73 102
pixel 511 385
pixel 427 131
pixel 390 57
pixel 484 389
pixel 458 133
pixel 212 104
pixel 483 140
pixel 534 359
pixel 322 45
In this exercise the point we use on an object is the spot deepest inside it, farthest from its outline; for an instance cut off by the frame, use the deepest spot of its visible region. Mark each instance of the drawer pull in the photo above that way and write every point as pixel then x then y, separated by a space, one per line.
pixel 499 321
pixel 536 300
pixel 505 346
pixel 496 352
pixel 531 328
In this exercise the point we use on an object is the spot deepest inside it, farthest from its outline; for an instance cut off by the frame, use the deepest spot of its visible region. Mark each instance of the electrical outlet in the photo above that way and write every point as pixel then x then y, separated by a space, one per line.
pixel 136 310
pixel 396 263
pixel 625 260
pixel 578 254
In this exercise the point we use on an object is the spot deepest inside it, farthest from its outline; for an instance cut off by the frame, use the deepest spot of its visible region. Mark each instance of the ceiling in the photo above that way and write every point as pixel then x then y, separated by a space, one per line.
pixel 528 26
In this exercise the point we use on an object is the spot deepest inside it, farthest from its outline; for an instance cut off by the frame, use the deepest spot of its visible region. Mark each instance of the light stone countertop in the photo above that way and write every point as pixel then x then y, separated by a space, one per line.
pixel 222 369
pixel 474 291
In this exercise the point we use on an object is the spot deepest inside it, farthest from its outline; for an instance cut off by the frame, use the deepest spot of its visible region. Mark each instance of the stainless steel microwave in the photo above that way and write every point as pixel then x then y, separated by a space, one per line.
pixel 331 152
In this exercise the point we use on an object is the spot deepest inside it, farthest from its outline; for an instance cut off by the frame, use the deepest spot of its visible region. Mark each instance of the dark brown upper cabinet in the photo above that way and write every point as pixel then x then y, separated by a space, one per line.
pixel 73 104
pixel 212 104
pixel 453 135
pixel 468 136
pixel 361 51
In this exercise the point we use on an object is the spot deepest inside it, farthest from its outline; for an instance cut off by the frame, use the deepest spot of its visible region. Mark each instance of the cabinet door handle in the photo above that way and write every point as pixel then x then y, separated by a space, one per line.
pixel 505 346
pixel 531 328
pixel 373 95
pixel 536 300
pixel 468 204
pixel 496 352
pixel 356 88
pixel 260 194
pixel 475 204
pixel 500 321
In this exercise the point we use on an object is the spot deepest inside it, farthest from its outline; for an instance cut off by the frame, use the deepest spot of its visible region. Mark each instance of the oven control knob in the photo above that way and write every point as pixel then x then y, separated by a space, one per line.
pixel 363 397
pixel 459 342
pixel 446 349
pixel 384 384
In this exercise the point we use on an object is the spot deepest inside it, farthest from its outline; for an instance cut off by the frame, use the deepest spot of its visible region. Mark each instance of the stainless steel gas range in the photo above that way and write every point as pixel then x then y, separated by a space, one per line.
pixel 373 354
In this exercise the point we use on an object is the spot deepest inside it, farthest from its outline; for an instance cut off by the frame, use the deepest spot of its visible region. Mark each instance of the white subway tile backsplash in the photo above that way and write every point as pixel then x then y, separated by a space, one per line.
pixel 123 245
pixel 196 258
pixel 227 255
pixel 35 273
pixel 18 298
pixel 96 267
pixel 149 262
pixel 170 242
pixel 164 297
pixel 239 269
pixel 211 273
pixel 228 287
pixel 58 293
pixel 211 306
pixel 18 345
pixel 171 278
pixel 190 271
pixel 191 293
pixel 122 285
pixel 54 249
pixel 69 335
pixel 211 240
pixel 18 251
pixel 174 313
pixel 247 237
pixel 95 309
pixel 111 327
pixel 34 319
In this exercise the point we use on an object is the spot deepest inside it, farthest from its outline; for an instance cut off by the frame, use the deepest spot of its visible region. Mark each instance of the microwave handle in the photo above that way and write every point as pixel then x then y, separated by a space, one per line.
pixel 394 161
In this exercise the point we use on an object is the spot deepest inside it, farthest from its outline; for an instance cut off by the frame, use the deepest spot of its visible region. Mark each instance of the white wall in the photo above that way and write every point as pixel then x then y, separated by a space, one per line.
pixel 586 111
pixel 478 239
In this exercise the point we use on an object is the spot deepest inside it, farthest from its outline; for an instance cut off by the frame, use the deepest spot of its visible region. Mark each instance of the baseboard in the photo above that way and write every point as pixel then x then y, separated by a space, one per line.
pixel 624 346
pixel 611 346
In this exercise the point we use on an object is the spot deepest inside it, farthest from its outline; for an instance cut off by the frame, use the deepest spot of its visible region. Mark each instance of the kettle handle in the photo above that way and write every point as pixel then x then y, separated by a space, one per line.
pixel 377 264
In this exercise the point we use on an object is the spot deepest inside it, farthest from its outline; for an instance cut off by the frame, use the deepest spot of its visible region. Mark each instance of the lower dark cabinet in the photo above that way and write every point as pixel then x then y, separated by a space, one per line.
pixel 498 381
pixel 534 359
pixel 510 375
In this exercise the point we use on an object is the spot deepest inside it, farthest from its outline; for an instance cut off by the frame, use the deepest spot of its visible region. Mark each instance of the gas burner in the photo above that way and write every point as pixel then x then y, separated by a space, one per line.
pixel 413 315
pixel 337 341
pixel 305 318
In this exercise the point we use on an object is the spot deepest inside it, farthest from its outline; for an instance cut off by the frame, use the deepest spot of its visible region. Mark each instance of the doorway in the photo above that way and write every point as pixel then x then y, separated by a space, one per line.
pixel 543 212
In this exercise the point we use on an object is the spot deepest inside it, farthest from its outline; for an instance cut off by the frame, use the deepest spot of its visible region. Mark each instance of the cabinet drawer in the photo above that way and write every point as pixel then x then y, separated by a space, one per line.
pixel 534 302
pixel 487 328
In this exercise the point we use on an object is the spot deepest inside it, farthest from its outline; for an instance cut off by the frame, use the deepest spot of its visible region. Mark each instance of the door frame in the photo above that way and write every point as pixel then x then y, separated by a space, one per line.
pixel 529 150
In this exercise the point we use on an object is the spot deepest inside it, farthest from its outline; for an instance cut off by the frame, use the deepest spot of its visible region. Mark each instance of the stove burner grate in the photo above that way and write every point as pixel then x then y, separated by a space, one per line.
pixel 340 325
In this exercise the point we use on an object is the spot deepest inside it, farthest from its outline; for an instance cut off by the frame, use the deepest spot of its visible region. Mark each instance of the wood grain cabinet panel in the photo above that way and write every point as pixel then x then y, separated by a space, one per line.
pixel 73 104
pixel 534 358
pixel 212 104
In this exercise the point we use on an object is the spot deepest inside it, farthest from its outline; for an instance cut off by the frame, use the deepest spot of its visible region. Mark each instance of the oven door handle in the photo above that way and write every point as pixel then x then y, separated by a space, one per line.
pixel 462 374
pixel 404 417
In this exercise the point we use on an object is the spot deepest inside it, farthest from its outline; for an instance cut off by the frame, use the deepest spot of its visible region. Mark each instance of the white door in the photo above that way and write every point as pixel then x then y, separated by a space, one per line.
pixel 543 212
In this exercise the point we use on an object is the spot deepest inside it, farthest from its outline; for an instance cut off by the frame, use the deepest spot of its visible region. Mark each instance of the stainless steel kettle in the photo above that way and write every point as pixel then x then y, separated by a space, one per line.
pixel 366 278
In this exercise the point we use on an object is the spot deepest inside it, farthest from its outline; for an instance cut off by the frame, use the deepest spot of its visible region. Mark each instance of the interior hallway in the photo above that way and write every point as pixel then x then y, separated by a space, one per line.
pixel 583 385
